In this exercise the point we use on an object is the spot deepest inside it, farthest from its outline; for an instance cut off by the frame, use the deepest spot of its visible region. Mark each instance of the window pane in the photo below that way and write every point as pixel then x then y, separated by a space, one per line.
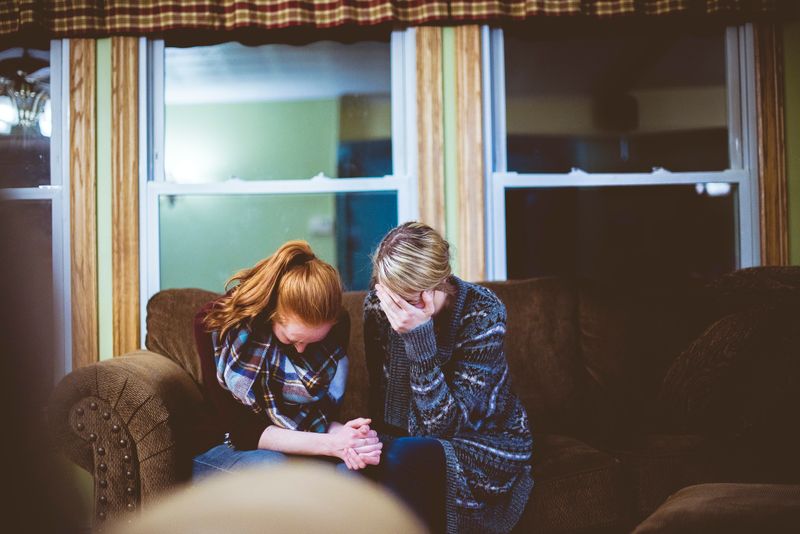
pixel 624 102
pixel 621 233
pixel 207 238
pixel 25 117
pixel 277 111
pixel 27 240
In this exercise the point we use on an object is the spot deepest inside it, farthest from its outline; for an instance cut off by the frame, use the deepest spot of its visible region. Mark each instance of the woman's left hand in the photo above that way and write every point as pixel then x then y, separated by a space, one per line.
pixel 403 317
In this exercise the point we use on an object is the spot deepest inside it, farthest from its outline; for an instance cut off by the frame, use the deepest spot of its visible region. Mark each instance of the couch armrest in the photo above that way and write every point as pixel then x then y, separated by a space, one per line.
pixel 128 421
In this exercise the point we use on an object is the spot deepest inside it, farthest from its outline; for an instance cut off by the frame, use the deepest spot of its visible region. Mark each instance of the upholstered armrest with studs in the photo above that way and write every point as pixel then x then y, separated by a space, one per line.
pixel 129 422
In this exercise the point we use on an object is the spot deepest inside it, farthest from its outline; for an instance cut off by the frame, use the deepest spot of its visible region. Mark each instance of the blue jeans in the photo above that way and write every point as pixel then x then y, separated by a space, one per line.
pixel 224 459
pixel 414 469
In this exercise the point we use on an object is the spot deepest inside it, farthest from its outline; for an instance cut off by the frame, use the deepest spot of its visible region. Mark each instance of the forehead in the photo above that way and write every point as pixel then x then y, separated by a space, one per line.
pixel 299 331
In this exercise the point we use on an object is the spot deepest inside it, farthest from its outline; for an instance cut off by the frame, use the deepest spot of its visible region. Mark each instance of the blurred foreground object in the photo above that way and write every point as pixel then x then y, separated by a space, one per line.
pixel 294 497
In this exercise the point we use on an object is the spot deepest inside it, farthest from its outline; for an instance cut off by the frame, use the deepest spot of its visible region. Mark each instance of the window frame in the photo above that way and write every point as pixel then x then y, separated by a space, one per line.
pixel 742 143
pixel 57 193
pixel 153 186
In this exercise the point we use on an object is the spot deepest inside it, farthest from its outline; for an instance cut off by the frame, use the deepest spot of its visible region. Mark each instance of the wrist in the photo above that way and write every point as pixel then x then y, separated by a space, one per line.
pixel 420 342
pixel 328 445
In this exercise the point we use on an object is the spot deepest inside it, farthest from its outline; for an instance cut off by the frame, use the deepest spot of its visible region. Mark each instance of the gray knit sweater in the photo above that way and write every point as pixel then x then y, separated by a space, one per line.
pixel 449 379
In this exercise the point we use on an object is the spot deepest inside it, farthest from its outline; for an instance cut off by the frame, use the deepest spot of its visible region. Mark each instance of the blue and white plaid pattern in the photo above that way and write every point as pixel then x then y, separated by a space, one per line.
pixel 297 391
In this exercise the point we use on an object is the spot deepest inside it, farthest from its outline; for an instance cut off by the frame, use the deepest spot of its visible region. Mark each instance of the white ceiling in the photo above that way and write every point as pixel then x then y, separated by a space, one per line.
pixel 232 72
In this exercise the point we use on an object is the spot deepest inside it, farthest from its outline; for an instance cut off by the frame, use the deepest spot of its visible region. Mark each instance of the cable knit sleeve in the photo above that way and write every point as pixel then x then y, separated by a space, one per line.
pixel 469 392
pixel 374 351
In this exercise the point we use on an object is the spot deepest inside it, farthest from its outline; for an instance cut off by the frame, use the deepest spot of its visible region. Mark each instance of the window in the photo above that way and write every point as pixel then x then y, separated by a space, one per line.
pixel 251 146
pixel 34 208
pixel 620 155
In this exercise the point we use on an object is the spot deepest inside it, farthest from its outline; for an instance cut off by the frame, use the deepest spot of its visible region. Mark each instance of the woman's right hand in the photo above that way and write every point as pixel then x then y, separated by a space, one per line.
pixel 355 444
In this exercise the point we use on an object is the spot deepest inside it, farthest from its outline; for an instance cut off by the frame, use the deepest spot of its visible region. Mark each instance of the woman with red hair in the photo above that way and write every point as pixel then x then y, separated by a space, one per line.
pixel 274 367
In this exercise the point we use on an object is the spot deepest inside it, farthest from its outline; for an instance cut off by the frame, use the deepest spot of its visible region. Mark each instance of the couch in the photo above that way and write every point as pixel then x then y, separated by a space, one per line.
pixel 634 391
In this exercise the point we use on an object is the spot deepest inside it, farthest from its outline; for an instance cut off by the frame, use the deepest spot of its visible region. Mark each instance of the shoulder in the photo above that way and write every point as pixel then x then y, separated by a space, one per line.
pixel 200 317
pixel 481 302
pixel 371 299
pixel 483 314
pixel 372 306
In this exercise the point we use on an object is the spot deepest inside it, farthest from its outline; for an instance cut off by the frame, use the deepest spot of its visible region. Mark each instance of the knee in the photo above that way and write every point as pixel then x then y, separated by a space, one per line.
pixel 413 453
pixel 260 457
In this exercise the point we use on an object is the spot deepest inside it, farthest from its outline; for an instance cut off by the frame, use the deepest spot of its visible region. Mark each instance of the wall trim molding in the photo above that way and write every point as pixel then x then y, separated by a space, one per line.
pixel 471 245
pixel 83 201
pixel 430 134
pixel 125 192
pixel 772 181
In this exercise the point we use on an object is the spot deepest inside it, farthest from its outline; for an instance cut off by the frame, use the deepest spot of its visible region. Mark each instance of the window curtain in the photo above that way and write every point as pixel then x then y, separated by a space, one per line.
pixel 75 18
pixel 96 18
pixel 478 10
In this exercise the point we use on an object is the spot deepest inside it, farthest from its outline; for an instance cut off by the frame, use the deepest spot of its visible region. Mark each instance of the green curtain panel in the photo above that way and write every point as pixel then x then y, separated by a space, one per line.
pixel 100 18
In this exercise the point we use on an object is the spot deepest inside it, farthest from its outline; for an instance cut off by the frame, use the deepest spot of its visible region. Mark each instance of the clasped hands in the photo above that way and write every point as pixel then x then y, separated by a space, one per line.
pixel 355 443
pixel 405 316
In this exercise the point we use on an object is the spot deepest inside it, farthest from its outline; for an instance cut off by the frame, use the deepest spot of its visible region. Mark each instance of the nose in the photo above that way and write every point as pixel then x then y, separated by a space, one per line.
pixel 300 347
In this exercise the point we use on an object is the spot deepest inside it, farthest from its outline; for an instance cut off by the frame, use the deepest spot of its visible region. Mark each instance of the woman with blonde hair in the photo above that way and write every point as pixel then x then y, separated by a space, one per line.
pixel 457 446
pixel 274 367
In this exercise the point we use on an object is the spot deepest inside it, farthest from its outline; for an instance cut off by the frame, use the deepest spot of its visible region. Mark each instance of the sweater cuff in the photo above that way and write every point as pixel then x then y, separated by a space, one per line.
pixel 420 346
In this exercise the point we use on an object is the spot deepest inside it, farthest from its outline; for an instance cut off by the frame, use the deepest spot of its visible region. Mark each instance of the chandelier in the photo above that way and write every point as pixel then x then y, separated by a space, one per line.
pixel 25 80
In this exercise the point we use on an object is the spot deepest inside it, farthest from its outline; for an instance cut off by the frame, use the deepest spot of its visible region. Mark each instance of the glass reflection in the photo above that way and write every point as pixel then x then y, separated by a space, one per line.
pixel 277 112
pixel 623 102
pixel 25 117
pixel 204 239
pixel 622 233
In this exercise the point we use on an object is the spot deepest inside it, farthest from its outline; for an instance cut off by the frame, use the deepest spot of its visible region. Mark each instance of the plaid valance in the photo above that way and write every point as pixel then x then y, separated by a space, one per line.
pixel 478 10
pixel 72 18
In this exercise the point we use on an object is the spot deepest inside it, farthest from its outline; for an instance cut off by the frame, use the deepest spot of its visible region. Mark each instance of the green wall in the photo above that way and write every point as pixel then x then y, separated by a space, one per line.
pixel 791 43
pixel 105 286
pixel 205 239
pixel 251 140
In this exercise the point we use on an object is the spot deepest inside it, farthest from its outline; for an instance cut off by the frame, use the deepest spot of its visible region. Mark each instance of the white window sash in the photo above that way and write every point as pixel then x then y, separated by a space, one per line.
pixel 57 194
pixel 742 150
pixel 153 186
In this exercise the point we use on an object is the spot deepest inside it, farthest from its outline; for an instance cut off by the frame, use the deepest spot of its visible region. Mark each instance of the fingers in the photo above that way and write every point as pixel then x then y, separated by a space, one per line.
pixel 389 308
pixel 391 295
pixel 363 442
pixel 371 459
pixel 358 422
pixel 355 459
pixel 387 302
pixel 346 460
pixel 376 447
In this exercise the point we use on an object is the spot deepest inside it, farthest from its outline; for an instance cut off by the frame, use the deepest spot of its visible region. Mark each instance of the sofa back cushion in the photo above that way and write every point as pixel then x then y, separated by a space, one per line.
pixel 541 347
pixel 629 335
pixel 170 326
pixel 355 402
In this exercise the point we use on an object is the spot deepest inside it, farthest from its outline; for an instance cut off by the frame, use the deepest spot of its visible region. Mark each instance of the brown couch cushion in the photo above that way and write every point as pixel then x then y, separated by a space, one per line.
pixel 628 337
pixel 577 489
pixel 728 508
pixel 741 376
pixel 542 352
pixel 755 286
pixel 170 326
pixel 354 403
pixel 656 466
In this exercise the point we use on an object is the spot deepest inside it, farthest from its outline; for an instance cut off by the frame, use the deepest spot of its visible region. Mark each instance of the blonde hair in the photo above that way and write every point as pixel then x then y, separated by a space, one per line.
pixel 412 257
pixel 291 282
